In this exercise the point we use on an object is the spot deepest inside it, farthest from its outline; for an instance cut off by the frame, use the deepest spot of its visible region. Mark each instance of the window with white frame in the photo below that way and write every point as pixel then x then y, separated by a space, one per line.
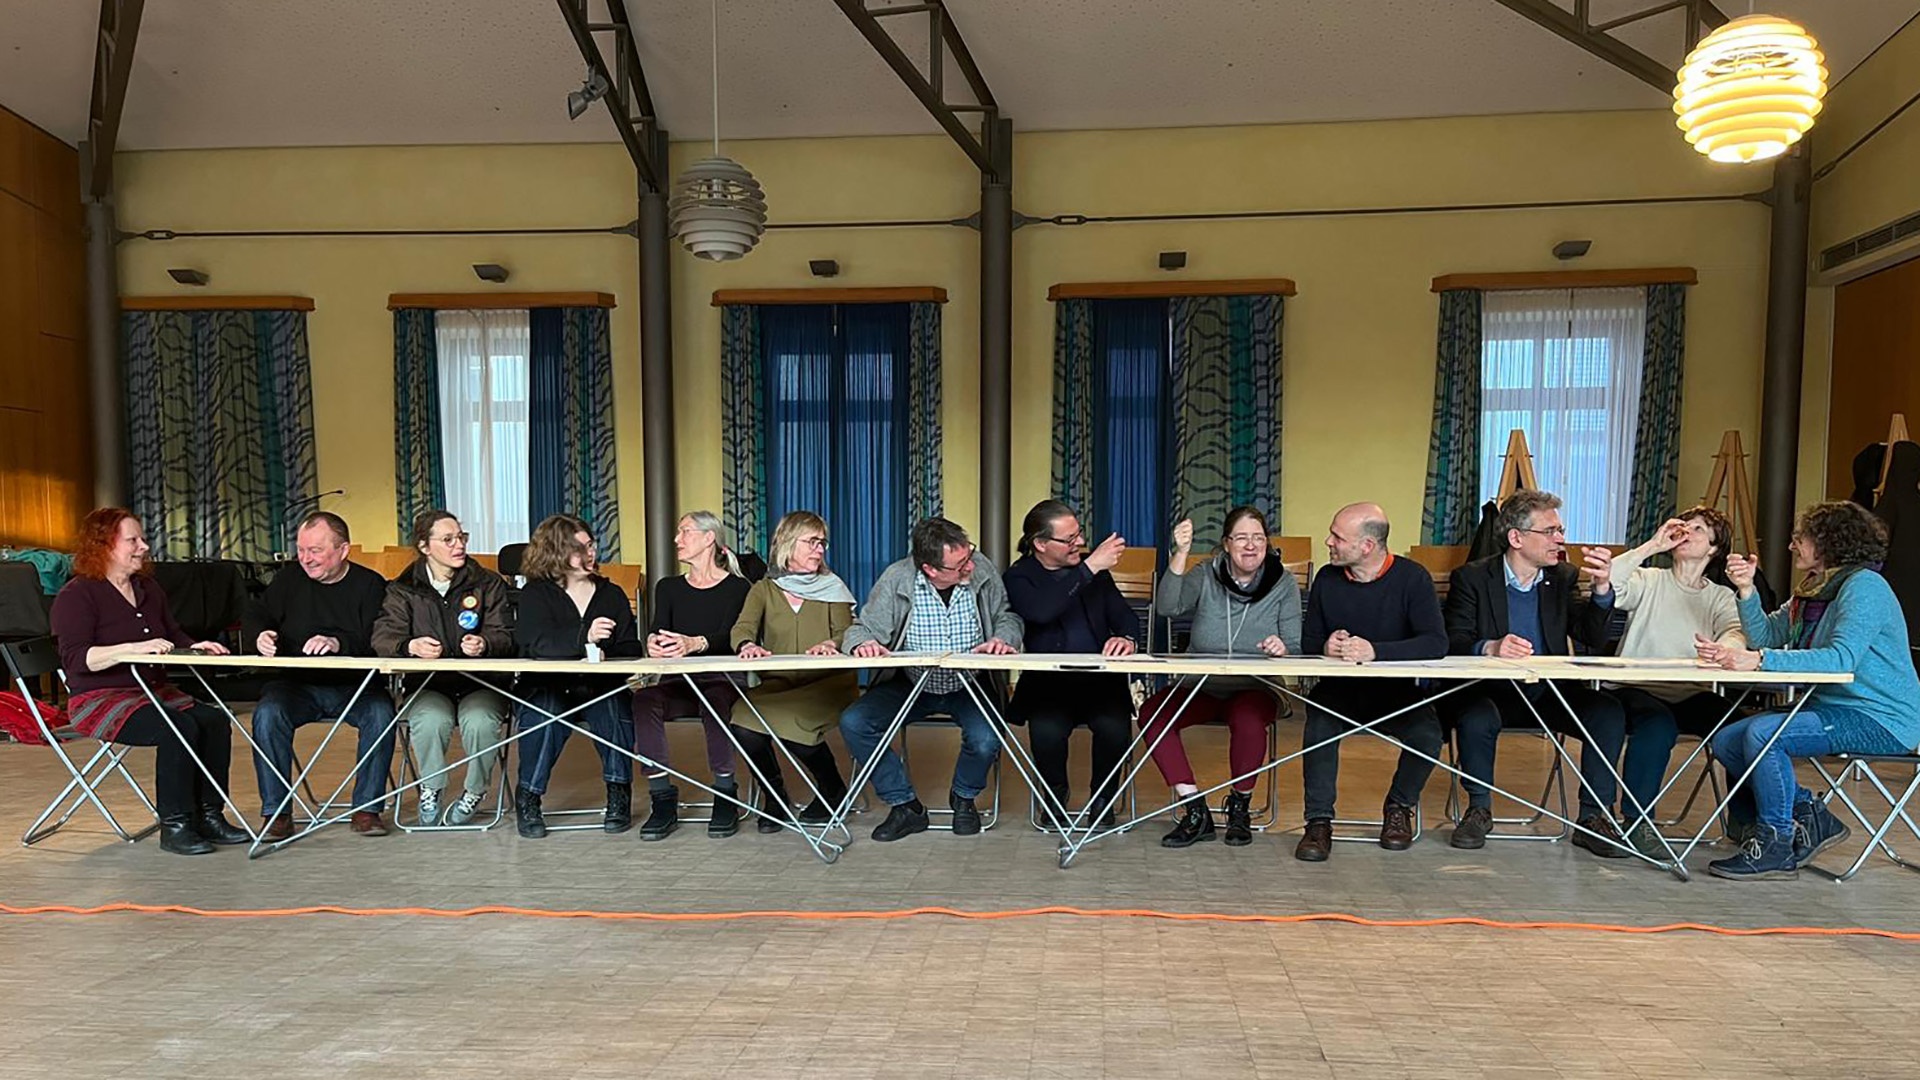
pixel 1564 366
pixel 483 422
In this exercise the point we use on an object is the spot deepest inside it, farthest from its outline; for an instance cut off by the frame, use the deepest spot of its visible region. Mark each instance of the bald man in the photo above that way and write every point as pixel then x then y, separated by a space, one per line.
pixel 1366 605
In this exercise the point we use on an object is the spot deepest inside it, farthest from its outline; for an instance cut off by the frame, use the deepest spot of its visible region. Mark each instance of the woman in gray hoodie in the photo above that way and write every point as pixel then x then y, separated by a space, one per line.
pixel 1244 602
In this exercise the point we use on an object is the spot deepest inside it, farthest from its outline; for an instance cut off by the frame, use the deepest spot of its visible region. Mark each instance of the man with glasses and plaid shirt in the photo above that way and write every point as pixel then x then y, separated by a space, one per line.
pixel 945 597
pixel 1521 602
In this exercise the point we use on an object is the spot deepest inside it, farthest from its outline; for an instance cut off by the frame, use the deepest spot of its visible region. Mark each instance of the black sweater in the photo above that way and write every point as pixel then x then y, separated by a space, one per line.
pixel 1071 610
pixel 549 627
pixel 296 608
pixel 1397 612
pixel 708 613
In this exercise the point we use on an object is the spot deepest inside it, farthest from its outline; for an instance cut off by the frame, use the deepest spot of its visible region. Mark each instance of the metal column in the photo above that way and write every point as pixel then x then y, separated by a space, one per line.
pixel 1785 346
pixel 659 472
pixel 106 384
pixel 996 344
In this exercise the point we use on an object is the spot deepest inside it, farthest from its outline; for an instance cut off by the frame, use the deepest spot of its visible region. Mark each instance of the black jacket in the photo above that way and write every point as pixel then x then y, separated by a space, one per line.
pixel 1477 608
pixel 1045 600
pixel 413 608
pixel 1899 507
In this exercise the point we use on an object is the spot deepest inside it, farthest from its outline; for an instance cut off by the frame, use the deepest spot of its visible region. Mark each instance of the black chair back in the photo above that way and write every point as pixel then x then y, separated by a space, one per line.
pixel 206 598
pixel 511 556
pixel 30 658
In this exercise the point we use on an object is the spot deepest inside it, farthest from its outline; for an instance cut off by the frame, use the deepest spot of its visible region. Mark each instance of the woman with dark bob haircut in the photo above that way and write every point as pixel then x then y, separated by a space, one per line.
pixel 1843 617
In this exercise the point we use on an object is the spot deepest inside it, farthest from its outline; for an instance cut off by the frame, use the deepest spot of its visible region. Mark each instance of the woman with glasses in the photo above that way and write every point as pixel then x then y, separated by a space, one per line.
pixel 692 615
pixel 799 607
pixel 1244 602
pixel 1843 617
pixel 569 612
pixel 1071 605
pixel 1667 611
pixel 446 605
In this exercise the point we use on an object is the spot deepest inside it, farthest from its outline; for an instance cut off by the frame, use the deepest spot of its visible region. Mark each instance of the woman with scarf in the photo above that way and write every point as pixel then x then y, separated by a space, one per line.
pixel 799 607
pixel 1244 602
pixel 1843 618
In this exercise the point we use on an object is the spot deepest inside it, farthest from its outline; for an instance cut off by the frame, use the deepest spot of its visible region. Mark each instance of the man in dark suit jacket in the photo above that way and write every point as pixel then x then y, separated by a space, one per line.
pixel 1514 605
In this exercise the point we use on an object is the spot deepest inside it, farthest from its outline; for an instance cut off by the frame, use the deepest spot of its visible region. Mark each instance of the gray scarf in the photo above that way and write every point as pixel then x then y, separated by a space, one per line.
pixel 824 586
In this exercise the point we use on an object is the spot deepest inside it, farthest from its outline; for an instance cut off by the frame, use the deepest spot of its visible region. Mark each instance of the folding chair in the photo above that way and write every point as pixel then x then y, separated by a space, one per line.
pixel 990 816
pixel 1556 777
pixel 410 774
pixel 1074 817
pixel 1861 766
pixel 27 661
pixel 1709 778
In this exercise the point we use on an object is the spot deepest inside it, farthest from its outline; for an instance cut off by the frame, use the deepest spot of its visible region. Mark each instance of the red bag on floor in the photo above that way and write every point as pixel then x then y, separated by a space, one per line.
pixel 16 719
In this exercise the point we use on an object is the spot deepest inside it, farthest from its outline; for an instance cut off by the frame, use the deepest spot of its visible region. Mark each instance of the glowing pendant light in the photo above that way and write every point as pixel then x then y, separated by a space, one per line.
pixel 717 208
pixel 1750 89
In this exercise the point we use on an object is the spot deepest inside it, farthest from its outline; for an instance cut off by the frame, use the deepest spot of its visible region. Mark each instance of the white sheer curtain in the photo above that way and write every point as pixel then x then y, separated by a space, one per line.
pixel 483 417
pixel 1564 365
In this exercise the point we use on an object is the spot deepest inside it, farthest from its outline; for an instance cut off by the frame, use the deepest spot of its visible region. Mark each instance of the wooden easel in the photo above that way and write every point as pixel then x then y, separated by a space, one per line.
pixel 1896 433
pixel 1517 472
pixel 1729 481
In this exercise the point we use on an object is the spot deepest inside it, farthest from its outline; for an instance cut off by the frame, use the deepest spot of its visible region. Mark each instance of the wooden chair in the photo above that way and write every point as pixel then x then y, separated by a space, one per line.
pixel 630 578
pixel 1441 560
pixel 1134 576
pixel 491 562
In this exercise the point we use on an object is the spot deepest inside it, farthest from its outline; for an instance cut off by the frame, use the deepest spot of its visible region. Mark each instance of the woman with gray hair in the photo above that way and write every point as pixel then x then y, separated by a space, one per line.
pixel 800 607
pixel 692 616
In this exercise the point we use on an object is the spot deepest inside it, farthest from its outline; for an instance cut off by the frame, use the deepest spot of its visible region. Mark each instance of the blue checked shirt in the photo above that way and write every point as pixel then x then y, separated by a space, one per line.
pixel 936 627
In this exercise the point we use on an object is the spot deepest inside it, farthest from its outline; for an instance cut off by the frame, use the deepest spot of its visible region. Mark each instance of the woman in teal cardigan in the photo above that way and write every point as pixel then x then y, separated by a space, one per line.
pixel 1843 617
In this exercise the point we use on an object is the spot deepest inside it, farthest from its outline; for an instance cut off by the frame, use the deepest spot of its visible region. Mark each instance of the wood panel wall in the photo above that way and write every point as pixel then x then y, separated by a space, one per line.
pixel 1876 365
pixel 46 465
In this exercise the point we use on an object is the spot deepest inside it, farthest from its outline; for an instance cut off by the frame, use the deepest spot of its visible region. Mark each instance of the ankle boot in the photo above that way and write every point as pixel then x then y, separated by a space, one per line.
pixel 178 836
pixel 1194 825
pixel 665 816
pixel 726 816
pixel 775 808
pixel 526 809
pixel 212 825
pixel 1239 818
pixel 619 815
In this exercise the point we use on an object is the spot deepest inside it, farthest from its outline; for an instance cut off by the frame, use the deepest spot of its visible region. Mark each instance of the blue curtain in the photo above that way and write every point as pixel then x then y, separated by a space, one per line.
pixel 1225 376
pixel 546 392
pixel 219 430
pixel 570 432
pixel 419 480
pixel 1656 443
pixel 743 434
pixel 1073 409
pixel 1451 508
pixel 1130 345
pixel 924 434
pixel 837 418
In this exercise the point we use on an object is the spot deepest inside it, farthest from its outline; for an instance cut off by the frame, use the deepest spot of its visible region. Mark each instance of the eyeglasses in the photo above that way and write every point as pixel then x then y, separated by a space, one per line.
pixel 1076 539
pixel 965 561
pixel 1556 531
pixel 818 543
pixel 456 538
pixel 1247 538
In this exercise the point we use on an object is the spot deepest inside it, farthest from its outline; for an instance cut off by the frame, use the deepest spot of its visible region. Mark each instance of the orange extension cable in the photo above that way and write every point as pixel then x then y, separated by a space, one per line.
pixel 123 907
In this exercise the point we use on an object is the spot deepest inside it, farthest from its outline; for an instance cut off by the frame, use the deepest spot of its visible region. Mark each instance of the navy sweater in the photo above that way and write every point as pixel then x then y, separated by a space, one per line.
pixel 1397 612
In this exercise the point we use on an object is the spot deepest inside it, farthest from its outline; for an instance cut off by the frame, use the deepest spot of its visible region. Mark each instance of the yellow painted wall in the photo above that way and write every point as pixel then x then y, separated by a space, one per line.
pixel 1359 339
pixel 1880 182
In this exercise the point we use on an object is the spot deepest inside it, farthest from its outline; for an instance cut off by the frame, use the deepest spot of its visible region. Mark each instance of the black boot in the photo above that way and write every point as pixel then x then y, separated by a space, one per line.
pixel 665 816
pixel 833 792
pixel 726 815
pixel 1239 818
pixel 213 825
pixel 526 809
pixel 775 808
pixel 178 836
pixel 1194 825
pixel 619 815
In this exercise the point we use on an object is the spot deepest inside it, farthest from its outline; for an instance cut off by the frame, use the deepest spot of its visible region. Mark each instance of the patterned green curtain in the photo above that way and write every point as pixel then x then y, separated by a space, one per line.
pixel 1450 510
pixel 589 481
pixel 419 471
pixel 219 430
pixel 1656 444
pixel 1225 405
pixel 923 414
pixel 1073 427
pixel 743 437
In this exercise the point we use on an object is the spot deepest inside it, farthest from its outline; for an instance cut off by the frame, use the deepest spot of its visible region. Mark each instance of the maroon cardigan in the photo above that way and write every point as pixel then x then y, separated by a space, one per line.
pixel 91 612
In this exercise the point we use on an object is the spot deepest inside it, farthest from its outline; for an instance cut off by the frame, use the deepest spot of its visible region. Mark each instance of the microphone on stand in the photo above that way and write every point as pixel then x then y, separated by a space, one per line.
pixel 298 509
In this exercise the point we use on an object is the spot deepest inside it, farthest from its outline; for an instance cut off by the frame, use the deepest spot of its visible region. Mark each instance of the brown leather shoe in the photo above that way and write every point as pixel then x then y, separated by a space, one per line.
pixel 1316 843
pixel 1396 827
pixel 278 829
pixel 368 823
pixel 1608 844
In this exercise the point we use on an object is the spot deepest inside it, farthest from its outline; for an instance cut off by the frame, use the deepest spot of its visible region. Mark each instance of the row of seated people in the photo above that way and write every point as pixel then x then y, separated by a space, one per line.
pixel 1059 597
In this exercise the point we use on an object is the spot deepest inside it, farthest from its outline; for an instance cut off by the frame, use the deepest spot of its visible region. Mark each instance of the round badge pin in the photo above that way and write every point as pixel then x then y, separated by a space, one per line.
pixel 469 620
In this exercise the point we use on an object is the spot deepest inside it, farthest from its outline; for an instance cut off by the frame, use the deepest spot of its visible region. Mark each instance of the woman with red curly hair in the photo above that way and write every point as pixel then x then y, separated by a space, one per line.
pixel 109 614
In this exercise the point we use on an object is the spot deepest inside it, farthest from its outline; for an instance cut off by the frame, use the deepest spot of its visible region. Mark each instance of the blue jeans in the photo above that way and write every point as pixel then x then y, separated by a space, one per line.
pixel 285 705
pixel 1654 724
pixel 866 720
pixel 1772 784
pixel 611 719
pixel 1480 719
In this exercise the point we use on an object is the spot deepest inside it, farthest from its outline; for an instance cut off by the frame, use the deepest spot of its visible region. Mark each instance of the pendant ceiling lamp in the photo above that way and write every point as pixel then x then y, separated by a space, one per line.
pixel 717 208
pixel 1750 89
